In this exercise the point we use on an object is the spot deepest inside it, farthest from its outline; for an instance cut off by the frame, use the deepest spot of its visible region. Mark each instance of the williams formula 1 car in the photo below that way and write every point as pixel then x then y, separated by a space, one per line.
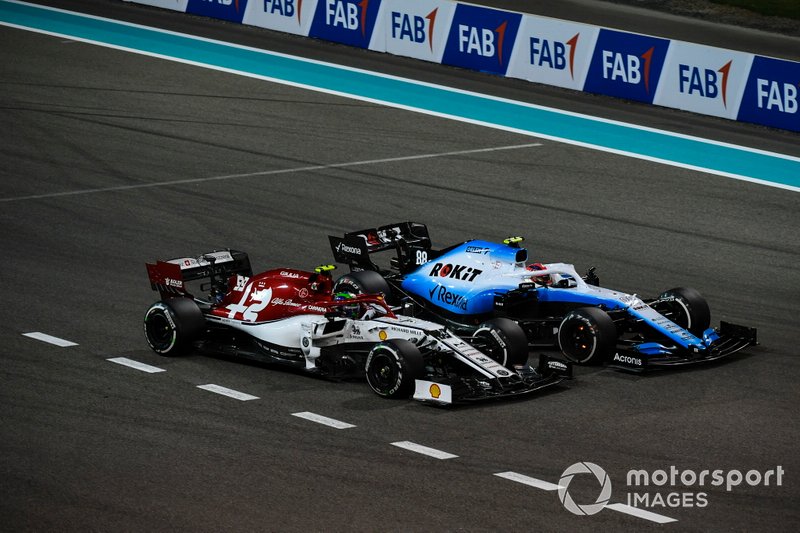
pixel 214 303
pixel 469 283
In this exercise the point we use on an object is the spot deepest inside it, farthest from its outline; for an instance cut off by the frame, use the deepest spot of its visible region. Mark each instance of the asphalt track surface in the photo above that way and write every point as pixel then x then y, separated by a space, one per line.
pixel 87 444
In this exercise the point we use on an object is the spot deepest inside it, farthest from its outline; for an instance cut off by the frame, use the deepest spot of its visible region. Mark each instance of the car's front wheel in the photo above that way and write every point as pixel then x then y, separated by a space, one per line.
pixel 687 308
pixel 171 326
pixel 392 366
pixel 587 335
pixel 503 340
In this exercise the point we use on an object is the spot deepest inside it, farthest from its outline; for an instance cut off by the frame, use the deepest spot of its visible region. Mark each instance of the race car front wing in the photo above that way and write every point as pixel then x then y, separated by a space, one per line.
pixel 722 342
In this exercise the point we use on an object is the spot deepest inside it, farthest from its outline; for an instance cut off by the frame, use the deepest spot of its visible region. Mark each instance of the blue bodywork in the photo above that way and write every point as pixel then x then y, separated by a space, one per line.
pixel 465 280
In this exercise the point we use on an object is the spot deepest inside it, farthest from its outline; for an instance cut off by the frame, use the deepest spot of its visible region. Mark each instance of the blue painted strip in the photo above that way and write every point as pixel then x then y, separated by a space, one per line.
pixel 739 162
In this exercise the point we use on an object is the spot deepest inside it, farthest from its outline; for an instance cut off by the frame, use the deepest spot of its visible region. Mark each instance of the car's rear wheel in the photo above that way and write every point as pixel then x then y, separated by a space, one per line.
pixel 392 366
pixel 503 340
pixel 363 282
pixel 687 308
pixel 587 335
pixel 171 326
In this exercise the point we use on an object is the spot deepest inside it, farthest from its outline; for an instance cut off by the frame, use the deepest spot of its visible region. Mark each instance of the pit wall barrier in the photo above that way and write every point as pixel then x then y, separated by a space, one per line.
pixel 677 74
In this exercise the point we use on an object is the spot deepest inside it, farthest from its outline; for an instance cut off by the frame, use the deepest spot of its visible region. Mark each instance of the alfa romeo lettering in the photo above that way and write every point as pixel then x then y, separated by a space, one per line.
pixel 460 272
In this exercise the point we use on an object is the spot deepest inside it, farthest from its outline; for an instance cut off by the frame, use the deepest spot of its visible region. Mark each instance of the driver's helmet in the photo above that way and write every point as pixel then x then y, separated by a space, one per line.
pixel 348 311
pixel 542 280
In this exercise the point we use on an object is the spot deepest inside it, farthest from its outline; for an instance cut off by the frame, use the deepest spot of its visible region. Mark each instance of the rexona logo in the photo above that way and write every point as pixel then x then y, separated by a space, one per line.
pixel 344 248
pixel 232 10
pixel 443 295
pixel 771 94
pixel 345 21
pixel 460 272
pixel 626 65
pixel 481 39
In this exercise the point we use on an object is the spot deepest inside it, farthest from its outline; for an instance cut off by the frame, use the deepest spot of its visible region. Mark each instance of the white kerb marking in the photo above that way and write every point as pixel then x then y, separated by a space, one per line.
pixel 324 420
pixel 44 337
pixel 640 513
pixel 424 450
pixel 530 481
pixel 124 361
pixel 230 393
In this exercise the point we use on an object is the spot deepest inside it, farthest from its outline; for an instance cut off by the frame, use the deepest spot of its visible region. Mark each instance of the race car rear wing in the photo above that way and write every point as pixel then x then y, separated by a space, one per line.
pixel 409 239
pixel 169 277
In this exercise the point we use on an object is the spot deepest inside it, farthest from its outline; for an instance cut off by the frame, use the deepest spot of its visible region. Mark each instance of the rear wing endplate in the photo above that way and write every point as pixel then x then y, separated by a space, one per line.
pixel 409 239
pixel 169 277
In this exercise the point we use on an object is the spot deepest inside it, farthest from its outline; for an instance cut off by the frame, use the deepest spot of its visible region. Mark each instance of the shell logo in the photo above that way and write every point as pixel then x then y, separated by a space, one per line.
pixel 435 391
pixel 382 335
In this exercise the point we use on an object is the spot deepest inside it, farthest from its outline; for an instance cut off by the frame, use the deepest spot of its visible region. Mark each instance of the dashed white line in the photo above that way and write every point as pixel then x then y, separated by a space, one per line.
pixel 228 392
pixel 324 420
pixel 640 513
pixel 136 364
pixel 44 337
pixel 424 450
pixel 526 480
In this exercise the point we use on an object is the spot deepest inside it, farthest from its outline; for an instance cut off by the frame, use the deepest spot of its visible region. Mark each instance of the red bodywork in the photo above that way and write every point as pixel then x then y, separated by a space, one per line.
pixel 271 295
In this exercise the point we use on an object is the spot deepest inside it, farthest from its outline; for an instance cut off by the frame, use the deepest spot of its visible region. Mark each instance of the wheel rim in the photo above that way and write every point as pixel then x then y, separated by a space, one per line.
pixel 383 372
pixel 159 331
pixel 579 342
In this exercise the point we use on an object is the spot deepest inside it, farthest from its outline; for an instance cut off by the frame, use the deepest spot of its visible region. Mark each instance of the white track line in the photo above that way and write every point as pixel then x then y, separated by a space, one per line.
pixel 424 450
pixel 526 480
pixel 619 507
pixel 640 513
pixel 228 392
pixel 324 420
pixel 270 172
pixel 44 337
pixel 124 361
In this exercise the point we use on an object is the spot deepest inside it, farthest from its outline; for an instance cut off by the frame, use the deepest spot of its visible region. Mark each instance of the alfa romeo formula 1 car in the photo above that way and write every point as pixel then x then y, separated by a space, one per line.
pixel 468 283
pixel 291 317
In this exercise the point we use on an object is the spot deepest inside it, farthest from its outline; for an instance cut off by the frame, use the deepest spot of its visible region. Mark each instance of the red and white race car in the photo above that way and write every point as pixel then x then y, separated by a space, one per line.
pixel 214 303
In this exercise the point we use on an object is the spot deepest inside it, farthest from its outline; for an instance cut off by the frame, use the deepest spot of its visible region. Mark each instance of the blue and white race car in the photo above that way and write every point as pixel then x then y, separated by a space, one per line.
pixel 470 283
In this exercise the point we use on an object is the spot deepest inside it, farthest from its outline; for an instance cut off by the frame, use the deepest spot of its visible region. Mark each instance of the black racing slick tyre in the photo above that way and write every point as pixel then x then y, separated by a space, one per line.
pixel 687 308
pixel 363 282
pixel 503 340
pixel 171 326
pixel 392 366
pixel 587 335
